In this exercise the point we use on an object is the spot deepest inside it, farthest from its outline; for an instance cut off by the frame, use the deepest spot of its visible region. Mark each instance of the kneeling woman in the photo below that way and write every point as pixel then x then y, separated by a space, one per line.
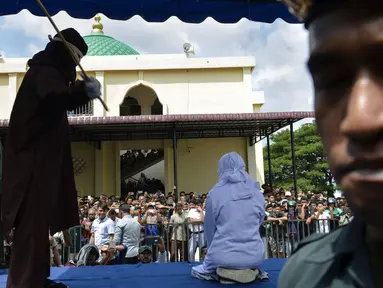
pixel 235 210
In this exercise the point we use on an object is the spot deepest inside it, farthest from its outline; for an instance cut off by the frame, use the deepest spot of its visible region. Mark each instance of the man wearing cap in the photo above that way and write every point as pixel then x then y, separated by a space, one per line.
pixel 146 252
pixel 39 193
pixel 288 195
pixel 346 64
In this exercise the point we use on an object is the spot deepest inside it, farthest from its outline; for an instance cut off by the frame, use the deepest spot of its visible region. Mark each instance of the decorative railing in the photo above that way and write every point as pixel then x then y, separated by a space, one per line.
pixel 85 110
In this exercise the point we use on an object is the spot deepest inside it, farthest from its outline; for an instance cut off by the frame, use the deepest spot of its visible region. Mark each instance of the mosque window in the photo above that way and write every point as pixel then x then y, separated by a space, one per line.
pixel 157 107
pixel 130 107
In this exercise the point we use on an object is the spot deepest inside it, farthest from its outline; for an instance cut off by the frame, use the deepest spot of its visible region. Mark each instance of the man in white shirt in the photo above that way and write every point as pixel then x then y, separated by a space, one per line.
pixel 323 219
pixel 128 234
pixel 102 228
pixel 196 217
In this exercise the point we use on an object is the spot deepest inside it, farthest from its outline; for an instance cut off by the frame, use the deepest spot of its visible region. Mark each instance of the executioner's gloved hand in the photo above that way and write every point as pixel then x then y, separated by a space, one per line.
pixel 92 85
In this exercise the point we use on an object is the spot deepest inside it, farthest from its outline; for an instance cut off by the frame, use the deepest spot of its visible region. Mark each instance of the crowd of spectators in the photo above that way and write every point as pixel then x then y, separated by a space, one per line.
pixel 290 217
pixel 143 227
pixel 133 159
pixel 142 184
pixel 151 227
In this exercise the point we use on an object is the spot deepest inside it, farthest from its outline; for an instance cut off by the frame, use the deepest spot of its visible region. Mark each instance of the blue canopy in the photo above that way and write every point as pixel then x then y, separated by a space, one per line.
pixel 190 11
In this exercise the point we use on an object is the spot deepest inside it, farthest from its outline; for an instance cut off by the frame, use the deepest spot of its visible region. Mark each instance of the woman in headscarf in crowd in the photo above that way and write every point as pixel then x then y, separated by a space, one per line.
pixel 235 210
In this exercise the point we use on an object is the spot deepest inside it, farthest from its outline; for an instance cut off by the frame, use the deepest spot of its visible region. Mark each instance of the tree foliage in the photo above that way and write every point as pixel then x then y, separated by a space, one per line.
pixel 312 170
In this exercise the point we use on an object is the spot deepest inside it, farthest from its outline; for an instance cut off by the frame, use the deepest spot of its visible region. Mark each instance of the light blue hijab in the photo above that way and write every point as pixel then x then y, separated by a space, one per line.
pixel 235 210
pixel 231 170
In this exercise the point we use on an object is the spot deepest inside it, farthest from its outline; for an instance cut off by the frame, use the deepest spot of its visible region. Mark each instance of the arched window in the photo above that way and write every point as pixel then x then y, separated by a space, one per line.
pixel 157 107
pixel 130 107
pixel 141 100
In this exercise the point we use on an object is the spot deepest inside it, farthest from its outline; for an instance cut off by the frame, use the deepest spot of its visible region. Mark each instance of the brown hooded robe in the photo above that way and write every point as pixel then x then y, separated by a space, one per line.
pixel 39 193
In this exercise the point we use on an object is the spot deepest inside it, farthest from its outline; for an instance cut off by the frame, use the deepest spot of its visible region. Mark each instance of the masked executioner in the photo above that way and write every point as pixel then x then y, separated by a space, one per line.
pixel 39 193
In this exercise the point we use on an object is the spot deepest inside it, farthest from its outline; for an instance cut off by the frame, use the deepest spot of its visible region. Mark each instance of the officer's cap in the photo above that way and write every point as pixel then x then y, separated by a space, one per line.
pixel 308 10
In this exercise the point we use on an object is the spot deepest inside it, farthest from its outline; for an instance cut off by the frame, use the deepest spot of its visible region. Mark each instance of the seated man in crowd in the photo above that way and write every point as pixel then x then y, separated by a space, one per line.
pixel 145 255
pixel 235 210
pixel 89 255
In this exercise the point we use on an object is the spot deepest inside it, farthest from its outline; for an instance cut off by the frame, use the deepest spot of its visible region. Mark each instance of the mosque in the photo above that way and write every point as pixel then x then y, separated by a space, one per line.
pixel 148 96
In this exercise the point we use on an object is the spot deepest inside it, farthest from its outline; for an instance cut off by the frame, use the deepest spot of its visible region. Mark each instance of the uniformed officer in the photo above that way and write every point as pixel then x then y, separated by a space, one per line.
pixel 346 64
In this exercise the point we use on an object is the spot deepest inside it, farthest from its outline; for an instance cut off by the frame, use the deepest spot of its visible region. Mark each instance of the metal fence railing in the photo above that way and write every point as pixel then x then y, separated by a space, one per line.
pixel 84 110
pixel 186 242
pixel 282 237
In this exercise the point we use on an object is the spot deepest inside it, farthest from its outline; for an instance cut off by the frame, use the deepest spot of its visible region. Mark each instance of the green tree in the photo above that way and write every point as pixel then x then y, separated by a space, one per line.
pixel 311 163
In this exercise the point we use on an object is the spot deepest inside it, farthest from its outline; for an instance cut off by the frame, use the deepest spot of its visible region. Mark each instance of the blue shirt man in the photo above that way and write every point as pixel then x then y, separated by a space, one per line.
pixel 102 228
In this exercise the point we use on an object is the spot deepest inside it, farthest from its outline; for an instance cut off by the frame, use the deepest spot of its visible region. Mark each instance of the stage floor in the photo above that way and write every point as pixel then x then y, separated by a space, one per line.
pixel 168 275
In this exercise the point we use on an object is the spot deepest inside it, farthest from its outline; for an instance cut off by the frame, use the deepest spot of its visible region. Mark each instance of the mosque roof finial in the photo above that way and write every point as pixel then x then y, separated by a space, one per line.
pixel 97 27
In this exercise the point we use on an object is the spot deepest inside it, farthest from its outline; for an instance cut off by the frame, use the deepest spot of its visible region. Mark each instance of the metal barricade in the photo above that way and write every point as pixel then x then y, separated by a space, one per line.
pixel 185 239
pixel 182 241
pixel 281 238
pixel 69 252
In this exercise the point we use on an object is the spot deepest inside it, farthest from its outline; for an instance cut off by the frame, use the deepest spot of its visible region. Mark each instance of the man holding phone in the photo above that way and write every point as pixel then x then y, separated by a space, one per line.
pixel 146 253
pixel 152 221
pixel 196 217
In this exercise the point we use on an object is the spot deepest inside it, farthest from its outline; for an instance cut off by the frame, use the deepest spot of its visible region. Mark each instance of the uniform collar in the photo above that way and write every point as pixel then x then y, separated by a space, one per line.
pixel 339 242
pixel 352 245
pixel 346 252
pixel 355 231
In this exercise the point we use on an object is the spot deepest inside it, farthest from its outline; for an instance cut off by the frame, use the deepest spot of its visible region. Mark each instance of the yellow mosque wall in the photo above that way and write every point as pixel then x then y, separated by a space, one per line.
pixel 182 91
pixel 20 78
pixel 85 183
pixel 197 163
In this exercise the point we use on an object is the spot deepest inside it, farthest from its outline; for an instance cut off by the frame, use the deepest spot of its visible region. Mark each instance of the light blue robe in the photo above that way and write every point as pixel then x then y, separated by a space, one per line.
pixel 235 210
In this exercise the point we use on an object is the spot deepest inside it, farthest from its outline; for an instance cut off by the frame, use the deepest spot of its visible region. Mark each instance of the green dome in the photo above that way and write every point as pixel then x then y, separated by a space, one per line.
pixel 100 44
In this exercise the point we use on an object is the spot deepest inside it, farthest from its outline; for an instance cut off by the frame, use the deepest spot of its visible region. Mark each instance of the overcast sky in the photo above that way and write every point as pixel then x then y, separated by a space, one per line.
pixel 280 49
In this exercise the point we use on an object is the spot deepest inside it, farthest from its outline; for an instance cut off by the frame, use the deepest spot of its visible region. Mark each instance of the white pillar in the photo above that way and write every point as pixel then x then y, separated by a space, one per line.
pixel 255 161
pixel 98 109
pixel 259 162
pixel 12 86
pixel 251 164
pixel 248 87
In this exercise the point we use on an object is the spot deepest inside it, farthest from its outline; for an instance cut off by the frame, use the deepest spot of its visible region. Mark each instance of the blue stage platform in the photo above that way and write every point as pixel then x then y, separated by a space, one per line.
pixel 169 275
